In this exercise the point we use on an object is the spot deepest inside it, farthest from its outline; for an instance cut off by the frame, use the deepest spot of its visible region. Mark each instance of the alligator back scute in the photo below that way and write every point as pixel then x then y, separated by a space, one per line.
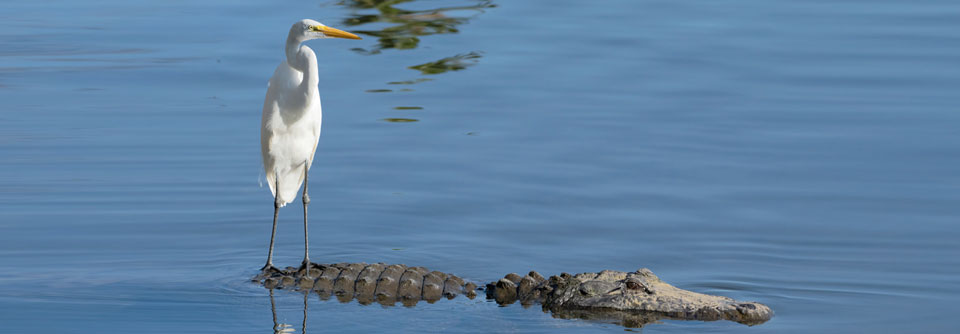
pixel 368 283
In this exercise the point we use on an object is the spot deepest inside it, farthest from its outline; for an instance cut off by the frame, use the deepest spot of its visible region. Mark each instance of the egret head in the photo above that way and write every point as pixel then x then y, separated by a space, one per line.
pixel 309 29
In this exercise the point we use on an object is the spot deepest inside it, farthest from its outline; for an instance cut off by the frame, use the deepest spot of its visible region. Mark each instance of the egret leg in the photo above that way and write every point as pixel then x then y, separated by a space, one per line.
pixel 273 235
pixel 306 240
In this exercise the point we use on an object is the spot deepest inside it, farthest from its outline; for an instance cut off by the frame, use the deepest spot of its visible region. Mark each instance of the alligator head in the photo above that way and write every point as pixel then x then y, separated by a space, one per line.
pixel 630 299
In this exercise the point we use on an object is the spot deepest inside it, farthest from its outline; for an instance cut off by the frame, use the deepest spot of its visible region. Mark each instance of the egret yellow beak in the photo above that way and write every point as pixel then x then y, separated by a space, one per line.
pixel 334 32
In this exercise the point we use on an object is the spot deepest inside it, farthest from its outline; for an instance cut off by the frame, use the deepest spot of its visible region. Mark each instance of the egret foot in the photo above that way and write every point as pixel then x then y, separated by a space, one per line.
pixel 269 270
pixel 304 269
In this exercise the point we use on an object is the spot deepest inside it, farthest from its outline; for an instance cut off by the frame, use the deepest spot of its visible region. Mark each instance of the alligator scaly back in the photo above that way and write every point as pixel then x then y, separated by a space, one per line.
pixel 380 282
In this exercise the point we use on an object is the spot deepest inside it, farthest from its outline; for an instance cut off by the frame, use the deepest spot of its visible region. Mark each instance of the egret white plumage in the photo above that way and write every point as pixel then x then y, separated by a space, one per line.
pixel 290 128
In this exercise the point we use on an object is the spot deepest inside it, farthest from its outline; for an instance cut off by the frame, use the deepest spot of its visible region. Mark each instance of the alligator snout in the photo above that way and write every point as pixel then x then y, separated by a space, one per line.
pixel 753 313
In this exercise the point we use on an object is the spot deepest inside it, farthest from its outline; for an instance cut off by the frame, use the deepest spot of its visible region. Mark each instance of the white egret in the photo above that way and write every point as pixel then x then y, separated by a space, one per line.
pixel 290 128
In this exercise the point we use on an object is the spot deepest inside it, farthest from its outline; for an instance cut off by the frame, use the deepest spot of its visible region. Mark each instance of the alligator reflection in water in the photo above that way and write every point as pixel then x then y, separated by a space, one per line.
pixel 628 319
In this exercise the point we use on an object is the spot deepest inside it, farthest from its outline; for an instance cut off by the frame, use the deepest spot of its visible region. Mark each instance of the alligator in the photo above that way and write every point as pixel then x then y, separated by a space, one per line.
pixel 630 299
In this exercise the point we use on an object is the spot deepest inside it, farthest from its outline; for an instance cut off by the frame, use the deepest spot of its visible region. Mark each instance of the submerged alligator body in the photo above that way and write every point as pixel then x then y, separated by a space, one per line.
pixel 631 299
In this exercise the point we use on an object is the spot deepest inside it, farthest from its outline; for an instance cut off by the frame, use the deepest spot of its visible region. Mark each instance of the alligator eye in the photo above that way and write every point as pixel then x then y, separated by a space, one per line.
pixel 637 286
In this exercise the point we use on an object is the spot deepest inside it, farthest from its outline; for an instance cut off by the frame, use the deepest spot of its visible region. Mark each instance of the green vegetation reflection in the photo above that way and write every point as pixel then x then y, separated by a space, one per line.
pixel 454 63
pixel 400 120
pixel 398 28
pixel 408 25
pixel 409 82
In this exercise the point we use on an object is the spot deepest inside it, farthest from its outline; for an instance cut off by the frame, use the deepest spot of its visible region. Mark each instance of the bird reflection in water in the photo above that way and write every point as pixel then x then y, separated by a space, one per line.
pixel 281 328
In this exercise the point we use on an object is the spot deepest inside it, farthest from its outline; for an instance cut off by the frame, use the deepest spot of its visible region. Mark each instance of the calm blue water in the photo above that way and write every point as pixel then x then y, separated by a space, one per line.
pixel 803 154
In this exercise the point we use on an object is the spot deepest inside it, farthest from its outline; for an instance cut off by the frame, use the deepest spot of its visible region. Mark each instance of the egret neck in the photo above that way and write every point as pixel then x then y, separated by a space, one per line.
pixel 303 59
